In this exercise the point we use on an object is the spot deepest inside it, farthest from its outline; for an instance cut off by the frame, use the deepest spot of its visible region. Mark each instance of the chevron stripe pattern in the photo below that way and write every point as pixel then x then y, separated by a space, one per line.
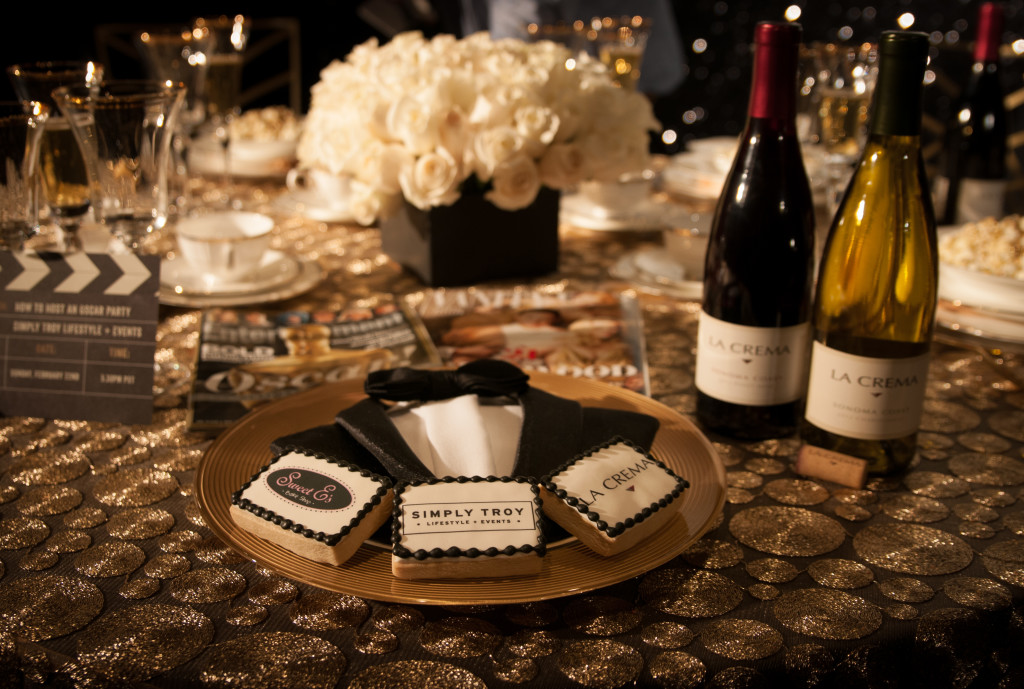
pixel 117 275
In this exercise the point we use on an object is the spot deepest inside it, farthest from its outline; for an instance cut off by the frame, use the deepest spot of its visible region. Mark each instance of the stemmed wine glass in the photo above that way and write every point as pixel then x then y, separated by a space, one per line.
pixel 179 56
pixel 223 86
pixel 61 165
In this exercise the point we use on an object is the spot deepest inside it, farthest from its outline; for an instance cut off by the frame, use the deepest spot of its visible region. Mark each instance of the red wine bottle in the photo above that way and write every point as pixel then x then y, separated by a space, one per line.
pixel 754 332
pixel 976 167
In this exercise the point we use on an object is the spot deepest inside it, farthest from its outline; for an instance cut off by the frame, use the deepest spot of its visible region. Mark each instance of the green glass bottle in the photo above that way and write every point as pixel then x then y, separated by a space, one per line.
pixel 876 294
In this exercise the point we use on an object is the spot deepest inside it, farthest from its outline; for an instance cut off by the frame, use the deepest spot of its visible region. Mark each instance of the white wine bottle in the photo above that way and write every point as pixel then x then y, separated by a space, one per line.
pixel 876 294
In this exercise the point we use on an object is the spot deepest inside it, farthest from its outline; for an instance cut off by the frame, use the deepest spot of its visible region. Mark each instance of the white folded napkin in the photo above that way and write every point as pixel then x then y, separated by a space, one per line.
pixel 462 436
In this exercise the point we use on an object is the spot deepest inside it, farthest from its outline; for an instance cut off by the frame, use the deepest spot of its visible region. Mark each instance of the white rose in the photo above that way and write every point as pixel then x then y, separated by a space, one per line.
pixel 488 111
pixel 454 133
pixel 516 183
pixel 459 89
pixel 611 153
pixel 431 180
pixel 493 147
pixel 562 166
pixel 411 122
pixel 378 165
pixel 572 114
pixel 537 125
pixel 365 203
pixel 328 142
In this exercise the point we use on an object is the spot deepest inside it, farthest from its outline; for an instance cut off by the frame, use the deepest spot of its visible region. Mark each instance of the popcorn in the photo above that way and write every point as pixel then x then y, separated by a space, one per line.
pixel 276 123
pixel 990 246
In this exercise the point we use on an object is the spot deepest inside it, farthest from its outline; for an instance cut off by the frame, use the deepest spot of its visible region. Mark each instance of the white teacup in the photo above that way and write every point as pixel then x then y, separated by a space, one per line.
pixel 224 246
pixel 330 189
pixel 622 195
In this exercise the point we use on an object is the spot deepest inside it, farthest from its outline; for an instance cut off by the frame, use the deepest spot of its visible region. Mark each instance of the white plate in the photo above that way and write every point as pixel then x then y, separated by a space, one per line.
pixel 700 173
pixel 249 159
pixel 988 325
pixel 309 204
pixel 655 270
pixel 981 290
pixel 651 214
pixel 281 276
pixel 274 270
pixel 693 175
pixel 987 306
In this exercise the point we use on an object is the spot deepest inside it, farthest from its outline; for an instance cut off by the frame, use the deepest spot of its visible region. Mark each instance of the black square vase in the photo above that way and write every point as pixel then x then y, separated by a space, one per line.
pixel 474 241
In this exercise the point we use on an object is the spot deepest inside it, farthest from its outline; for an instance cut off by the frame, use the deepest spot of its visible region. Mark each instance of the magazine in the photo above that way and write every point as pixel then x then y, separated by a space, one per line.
pixel 572 332
pixel 248 357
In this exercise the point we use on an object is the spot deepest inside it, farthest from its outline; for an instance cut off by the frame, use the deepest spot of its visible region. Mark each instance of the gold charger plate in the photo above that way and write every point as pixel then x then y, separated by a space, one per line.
pixel 569 567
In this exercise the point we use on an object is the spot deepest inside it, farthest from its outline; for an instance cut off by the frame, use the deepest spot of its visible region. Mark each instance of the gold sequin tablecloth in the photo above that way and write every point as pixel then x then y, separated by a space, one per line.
pixel 110 578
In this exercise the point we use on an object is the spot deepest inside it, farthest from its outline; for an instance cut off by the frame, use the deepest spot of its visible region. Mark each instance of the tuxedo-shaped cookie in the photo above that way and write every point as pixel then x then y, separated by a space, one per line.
pixel 404 406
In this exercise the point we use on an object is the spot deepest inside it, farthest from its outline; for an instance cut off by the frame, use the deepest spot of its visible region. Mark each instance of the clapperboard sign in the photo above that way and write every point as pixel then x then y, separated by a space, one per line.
pixel 78 335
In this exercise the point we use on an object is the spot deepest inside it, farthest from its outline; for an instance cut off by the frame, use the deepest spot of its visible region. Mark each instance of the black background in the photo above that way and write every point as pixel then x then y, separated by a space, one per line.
pixel 714 93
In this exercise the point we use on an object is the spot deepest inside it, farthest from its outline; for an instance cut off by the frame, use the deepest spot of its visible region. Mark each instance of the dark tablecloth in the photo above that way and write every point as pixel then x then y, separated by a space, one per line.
pixel 109 576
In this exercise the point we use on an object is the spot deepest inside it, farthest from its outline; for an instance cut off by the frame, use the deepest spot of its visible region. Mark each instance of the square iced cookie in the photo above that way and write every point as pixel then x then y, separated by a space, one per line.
pixel 318 507
pixel 455 528
pixel 612 496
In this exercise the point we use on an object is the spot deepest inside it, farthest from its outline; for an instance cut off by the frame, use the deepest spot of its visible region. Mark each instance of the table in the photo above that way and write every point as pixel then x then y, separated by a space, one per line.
pixel 107 569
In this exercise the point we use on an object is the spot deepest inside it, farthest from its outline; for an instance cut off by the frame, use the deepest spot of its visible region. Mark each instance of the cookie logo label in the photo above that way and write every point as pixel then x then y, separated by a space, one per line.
pixel 452 517
pixel 309 489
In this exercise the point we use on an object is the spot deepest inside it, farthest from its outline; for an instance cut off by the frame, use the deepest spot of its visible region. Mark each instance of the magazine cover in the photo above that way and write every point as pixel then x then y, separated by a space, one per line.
pixel 578 333
pixel 248 357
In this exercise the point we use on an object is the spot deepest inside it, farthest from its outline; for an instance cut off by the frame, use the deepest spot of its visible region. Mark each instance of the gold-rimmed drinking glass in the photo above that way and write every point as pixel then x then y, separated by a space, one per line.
pixel 21 130
pixel 62 170
pixel 124 129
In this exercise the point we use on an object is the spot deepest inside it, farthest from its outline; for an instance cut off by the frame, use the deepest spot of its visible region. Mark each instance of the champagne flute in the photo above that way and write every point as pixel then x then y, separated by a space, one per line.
pixel 62 169
pixel 221 95
pixel 843 99
pixel 620 44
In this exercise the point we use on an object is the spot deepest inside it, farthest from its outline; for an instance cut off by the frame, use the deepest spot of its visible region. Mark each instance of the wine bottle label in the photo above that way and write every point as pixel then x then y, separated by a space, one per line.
pixel 865 397
pixel 979 199
pixel 742 364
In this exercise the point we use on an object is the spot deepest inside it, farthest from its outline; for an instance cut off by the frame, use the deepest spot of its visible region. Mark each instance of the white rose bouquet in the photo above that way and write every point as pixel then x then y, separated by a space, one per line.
pixel 427 120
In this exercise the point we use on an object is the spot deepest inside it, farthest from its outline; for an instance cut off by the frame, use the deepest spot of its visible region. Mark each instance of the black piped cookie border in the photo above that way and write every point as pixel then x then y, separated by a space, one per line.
pixel 285 523
pixel 613 530
pixel 420 554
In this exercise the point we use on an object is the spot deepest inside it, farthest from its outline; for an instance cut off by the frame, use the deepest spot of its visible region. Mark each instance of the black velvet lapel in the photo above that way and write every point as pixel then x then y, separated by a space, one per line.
pixel 552 430
pixel 369 424
pixel 330 441
pixel 601 425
